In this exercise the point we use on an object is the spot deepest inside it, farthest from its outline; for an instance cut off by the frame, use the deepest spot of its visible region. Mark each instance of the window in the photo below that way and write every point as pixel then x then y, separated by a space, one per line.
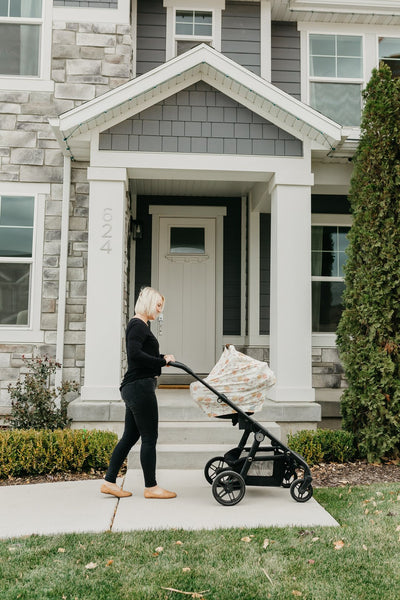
pixel 16 258
pixel 328 256
pixel 389 53
pixel 192 27
pixel 20 37
pixel 336 76
pixel 187 240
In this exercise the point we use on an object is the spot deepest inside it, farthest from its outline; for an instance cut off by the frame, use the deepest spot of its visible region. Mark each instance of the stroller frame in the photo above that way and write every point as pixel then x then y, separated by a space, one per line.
pixel 229 474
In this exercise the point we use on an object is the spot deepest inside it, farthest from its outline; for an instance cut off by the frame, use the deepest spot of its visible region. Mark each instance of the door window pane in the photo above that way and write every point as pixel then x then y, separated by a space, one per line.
pixel 327 305
pixel 14 293
pixel 187 240
pixel 19 49
pixel 339 101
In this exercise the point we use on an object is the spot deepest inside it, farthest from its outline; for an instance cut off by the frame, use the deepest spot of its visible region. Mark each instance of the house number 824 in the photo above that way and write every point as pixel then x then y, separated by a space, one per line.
pixel 107 230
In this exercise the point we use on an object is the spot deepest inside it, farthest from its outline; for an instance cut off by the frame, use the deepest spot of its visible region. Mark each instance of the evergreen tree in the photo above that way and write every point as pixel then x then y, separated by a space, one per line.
pixel 369 329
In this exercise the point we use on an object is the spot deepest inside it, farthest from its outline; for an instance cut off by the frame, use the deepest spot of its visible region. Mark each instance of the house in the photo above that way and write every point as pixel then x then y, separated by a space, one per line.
pixel 201 147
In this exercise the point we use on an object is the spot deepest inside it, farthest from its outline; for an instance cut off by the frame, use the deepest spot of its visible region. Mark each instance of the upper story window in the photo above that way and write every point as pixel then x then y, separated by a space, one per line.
pixel 20 37
pixel 192 27
pixel 389 53
pixel 16 259
pixel 336 76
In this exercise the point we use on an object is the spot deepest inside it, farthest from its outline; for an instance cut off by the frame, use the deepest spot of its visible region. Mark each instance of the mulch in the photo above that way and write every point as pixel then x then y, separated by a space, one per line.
pixel 324 475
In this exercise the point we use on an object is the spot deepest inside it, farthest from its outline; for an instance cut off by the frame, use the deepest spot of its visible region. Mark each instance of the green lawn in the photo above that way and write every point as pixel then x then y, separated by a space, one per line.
pixel 359 560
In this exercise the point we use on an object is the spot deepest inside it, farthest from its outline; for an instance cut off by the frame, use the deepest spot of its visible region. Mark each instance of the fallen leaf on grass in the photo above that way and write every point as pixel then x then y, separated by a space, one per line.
pixel 398 528
pixel 311 561
pixel 315 539
pixel 246 539
pixel 365 547
pixel 61 550
pixel 109 563
pixel 179 543
pixel 186 569
pixel 266 543
pixel 296 593
pixel 91 565
pixel 159 549
pixel 338 545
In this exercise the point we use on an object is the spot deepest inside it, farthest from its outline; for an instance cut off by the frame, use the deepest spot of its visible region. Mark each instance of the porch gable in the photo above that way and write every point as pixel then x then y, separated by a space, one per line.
pixel 200 119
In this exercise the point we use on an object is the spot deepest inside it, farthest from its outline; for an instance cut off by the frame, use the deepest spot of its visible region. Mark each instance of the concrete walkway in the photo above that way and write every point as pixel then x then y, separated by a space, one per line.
pixel 78 506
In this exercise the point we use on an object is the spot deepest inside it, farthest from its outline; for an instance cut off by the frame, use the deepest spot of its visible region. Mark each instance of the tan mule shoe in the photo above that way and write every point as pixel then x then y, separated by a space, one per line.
pixel 159 493
pixel 114 490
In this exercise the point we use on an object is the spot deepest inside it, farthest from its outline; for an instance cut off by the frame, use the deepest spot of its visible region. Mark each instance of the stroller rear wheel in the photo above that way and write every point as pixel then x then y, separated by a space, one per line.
pixel 214 467
pixel 298 494
pixel 228 488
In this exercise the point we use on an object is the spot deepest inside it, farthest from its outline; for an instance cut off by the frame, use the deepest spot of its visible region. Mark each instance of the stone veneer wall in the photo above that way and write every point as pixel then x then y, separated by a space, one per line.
pixel 87 60
pixel 327 370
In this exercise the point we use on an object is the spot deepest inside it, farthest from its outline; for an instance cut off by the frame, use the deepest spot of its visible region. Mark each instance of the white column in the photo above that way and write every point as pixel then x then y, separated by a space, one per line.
pixel 290 332
pixel 105 285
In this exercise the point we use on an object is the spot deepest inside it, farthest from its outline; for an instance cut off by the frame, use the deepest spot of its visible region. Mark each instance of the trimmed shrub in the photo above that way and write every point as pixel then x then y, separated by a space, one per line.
pixel 324 445
pixel 32 452
pixel 34 398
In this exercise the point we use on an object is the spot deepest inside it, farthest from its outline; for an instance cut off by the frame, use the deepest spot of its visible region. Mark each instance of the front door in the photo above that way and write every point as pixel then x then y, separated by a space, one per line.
pixel 186 276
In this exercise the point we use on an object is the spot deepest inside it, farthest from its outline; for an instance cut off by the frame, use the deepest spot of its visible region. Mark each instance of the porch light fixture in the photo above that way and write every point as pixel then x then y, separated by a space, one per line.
pixel 136 229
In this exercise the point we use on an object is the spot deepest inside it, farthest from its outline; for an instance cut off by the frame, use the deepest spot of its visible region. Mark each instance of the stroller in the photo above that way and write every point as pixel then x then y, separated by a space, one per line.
pixel 229 474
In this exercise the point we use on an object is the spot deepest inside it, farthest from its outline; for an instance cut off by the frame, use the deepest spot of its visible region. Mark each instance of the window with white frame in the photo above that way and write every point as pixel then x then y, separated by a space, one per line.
pixel 328 256
pixel 192 27
pixel 16 259
pixel 336 76
pixel 21 23
pixel 389 53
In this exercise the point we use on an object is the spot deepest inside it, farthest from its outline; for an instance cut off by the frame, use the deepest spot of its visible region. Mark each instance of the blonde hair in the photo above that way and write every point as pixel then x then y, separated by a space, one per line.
pixel 147 301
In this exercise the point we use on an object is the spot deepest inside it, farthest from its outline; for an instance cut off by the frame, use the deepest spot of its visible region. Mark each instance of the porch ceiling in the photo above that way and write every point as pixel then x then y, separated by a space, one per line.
pixel 74 129
pixel 175 187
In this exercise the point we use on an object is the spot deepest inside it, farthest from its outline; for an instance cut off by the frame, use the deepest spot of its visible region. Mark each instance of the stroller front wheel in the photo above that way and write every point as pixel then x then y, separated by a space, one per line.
pixel 299 494
pixel 214 467
pixel 228 488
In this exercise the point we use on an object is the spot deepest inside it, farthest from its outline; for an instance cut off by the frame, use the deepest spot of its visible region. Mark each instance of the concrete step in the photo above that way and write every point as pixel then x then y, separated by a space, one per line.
pixel 190 445
pixel 213 431
pixel 181 456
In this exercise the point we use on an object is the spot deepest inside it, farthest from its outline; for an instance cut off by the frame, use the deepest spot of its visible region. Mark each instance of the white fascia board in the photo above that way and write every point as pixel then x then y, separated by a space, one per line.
pixel 382 7
pixel 201 62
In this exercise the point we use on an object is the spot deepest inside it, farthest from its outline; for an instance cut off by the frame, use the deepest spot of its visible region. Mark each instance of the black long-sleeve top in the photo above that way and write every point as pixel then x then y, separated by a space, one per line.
pixel 143 352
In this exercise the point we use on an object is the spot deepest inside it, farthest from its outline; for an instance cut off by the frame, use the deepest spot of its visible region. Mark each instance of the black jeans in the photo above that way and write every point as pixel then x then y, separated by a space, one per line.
pixel 141 421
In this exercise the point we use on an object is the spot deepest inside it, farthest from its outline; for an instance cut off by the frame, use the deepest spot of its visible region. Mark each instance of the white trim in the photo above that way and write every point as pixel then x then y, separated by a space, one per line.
pixel 31 333
pixel 42 82
pixel 265 37
pixel 383 7
pixel 243 268
pixel 324 340
pixel 74 14
pixel 62 285
pixel 331 219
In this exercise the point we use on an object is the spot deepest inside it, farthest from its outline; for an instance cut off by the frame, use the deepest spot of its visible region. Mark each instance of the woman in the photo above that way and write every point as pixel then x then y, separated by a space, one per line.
pixel 138 392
